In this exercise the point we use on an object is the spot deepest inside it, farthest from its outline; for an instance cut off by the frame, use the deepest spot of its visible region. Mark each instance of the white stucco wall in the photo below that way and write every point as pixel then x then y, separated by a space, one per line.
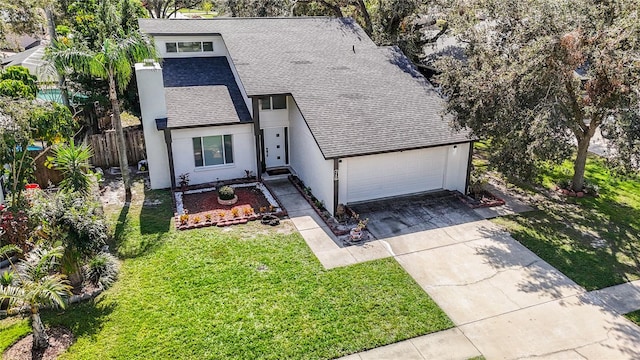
pixel 457 161
pixel 244 156
pixel 377 176
pixel 152 107
pixel 307 160
pixel 277 118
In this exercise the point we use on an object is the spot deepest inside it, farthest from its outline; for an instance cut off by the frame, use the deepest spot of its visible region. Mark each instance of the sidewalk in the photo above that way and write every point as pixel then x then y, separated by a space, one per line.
pixel 505 301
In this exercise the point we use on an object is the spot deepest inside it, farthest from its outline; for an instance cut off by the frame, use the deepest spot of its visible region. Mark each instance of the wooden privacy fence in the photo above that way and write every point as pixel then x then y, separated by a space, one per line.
pixel 42 173
pixel 105 148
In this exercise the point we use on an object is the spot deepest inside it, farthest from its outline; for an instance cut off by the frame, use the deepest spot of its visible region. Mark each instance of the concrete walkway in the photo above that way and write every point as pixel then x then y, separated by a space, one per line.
pixel 317 235
pixel 505 301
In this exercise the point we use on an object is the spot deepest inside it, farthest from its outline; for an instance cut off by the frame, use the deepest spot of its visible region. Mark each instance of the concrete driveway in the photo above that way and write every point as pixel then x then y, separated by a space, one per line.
pixel 506 302
pixel 415 213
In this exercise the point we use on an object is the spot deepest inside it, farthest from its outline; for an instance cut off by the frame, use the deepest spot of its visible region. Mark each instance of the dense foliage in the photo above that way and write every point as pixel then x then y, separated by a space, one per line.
pixel 112 61
pixel 73 162
pixel 21 122
pixel 37 284
pixel 540 76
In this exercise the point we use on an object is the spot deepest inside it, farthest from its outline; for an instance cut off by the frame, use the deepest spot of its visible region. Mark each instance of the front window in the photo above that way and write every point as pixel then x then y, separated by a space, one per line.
pixel 213 150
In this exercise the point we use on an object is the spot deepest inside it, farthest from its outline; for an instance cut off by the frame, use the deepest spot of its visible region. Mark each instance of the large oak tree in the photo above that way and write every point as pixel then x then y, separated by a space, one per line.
pixel 540 77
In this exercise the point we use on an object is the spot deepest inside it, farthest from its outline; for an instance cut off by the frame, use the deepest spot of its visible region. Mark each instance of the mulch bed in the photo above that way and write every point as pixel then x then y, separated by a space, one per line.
pixel 207 202
pixel 60 339
pixel 482 200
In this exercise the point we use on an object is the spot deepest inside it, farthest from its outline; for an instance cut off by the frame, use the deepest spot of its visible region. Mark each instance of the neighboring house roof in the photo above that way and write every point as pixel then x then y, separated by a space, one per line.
pixel 445 46
pixel 356 97
pixel 32 59
pixel 21 42
pixel 193 105
pixel 212 75
pixel 33 55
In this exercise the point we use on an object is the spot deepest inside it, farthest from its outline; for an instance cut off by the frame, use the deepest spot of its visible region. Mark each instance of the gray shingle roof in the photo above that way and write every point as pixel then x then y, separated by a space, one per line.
pixel 197 105
pixel 204 71
pixel 356 98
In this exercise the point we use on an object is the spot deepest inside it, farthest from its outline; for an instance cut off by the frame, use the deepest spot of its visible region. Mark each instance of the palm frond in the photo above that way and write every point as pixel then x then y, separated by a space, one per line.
pixel 39 263
pixel 8 249
pixel 66 58
pixel 15 294
pixel 53 290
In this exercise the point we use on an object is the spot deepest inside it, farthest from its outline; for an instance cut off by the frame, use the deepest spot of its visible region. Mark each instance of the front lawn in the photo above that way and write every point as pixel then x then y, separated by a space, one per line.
pixel 11 330
pixel 243 292
pixel 593 240
pixel 634 316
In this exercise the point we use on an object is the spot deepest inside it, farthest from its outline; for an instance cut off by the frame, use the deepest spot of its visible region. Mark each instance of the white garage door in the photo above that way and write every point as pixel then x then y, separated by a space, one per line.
pixel 384 175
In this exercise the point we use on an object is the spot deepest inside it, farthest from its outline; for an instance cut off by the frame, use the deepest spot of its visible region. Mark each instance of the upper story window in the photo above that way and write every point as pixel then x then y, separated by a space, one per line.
pixel 189 46
pixel 276 102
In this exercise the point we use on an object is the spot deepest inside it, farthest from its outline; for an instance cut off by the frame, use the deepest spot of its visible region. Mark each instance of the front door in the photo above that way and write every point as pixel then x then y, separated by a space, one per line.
pixel 274 147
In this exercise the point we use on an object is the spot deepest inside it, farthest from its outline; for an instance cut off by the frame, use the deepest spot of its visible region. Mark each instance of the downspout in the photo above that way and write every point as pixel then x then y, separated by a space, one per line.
pixel 255 104
pixel 172 171
pixel 336 179
pixel 469 165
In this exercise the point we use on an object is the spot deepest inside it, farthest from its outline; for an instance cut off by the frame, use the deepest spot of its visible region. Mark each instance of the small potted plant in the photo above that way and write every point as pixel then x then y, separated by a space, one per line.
pixel 184 181
pixel 227 196
pixel 356 233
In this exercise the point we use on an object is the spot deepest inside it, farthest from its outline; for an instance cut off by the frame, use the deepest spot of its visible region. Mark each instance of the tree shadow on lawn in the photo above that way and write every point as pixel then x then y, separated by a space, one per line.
pixel 143 224
pixel 84 319
pixel 595 249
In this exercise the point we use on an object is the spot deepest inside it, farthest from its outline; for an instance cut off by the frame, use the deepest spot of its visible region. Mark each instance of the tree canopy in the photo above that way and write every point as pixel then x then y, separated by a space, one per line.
pixel 112 61
pixel 17 81
pixel 19 17
pixel 540 76
pixel 21 122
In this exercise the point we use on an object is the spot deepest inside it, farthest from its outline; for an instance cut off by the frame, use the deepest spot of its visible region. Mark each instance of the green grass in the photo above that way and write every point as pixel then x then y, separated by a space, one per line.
pixel 248 292
pixel 11 330
pixel 634 316
pixel 593 240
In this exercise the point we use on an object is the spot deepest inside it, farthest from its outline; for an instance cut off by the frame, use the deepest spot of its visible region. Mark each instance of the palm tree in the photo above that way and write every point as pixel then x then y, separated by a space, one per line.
pixel 37 285
pixel 73 162
pixel 113 62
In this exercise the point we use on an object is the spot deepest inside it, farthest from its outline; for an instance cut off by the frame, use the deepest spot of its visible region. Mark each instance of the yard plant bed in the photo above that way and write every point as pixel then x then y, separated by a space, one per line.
pixel 481 199
pixel 339 228
pixel 202 208
pixel 593 240
pixel 249 292
pixel 204 202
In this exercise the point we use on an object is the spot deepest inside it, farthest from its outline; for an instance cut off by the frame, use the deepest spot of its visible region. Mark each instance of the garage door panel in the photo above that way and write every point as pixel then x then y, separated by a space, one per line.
pixel 384 175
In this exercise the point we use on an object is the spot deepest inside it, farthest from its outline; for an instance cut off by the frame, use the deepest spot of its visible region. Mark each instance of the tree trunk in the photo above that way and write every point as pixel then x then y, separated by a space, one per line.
pixel 577 184
pixel 52 35
pixel 368 26
pixel 40 338
pixel 117 125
